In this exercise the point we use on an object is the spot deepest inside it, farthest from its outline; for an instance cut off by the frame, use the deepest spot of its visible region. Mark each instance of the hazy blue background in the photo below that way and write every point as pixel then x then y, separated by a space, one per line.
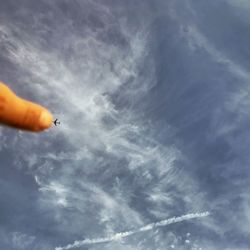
pixel 154 101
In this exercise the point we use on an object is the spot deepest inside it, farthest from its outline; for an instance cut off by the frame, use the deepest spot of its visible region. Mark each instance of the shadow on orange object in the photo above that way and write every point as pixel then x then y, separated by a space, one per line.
pixel 22 114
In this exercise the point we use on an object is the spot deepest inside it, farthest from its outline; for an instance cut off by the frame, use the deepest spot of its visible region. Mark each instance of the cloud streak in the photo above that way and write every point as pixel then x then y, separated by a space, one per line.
pixel 121 235
pixel 102 165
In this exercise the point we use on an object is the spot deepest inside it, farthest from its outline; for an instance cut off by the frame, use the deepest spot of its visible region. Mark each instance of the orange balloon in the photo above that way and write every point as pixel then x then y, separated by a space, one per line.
pixel 22 114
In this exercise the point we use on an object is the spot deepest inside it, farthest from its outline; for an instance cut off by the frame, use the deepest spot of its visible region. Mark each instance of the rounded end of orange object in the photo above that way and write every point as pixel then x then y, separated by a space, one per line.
pixel 45 120
pixel 22 114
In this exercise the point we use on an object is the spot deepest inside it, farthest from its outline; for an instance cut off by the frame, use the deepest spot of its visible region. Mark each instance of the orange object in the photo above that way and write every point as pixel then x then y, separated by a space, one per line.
pixel 22 114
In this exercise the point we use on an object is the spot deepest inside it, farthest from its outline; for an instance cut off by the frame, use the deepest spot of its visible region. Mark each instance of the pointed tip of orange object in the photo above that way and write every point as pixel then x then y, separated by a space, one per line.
pixel 22 114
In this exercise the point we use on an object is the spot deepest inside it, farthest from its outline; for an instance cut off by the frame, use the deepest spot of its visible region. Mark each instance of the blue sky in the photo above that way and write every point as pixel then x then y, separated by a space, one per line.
pixel 153 99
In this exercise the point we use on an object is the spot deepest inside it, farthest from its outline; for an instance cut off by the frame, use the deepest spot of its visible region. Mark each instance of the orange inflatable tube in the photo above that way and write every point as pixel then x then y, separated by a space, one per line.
pixel 22 114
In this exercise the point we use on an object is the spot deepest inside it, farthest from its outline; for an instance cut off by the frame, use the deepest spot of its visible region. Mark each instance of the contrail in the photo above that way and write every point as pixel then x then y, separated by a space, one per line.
pixel 121 235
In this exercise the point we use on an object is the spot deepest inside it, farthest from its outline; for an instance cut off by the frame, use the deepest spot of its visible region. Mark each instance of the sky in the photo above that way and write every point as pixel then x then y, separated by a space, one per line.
pixel 152 149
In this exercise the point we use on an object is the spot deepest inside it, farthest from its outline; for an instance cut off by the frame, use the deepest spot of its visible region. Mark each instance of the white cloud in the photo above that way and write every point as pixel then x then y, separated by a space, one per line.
pixel 121 235
pixel 234 101
pixel 77 90
pixel 197 39
pixel 242 4
pixel 21 241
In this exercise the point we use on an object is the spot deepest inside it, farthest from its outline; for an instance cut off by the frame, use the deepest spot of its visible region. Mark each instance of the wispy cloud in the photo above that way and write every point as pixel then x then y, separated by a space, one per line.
pixel 119 236
pixel 101 158
pixel 197 39
pixel 244 5
pixel 22 241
